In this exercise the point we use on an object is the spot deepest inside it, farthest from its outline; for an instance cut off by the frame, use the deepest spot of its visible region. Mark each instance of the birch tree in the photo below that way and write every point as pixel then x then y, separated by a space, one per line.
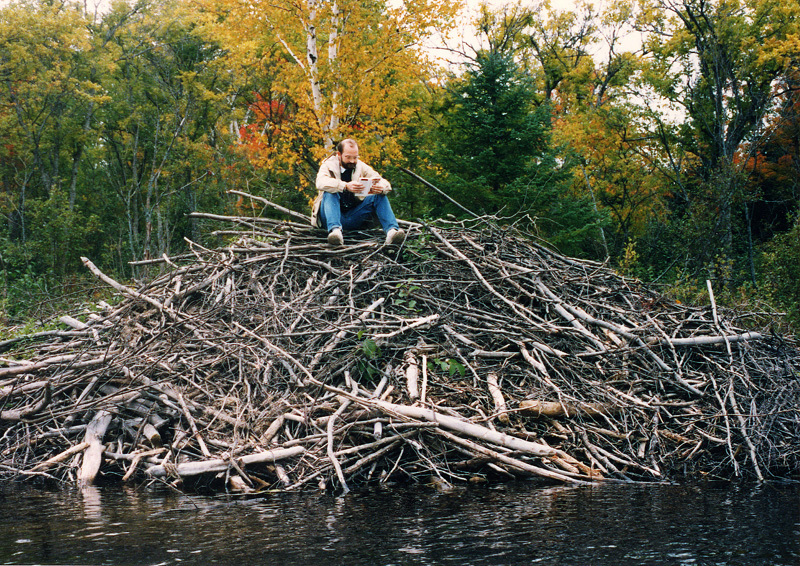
pixel 346 68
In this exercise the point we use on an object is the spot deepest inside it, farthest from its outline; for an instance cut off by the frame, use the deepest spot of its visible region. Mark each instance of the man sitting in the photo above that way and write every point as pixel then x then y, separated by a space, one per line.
pixel 345 203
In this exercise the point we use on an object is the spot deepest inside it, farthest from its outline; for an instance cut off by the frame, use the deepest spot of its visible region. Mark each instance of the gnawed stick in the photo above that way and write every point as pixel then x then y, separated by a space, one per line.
pixel 122 288
pixel 512 462
pixel 412 323
pixel 554 409
pixel 412 375
pixel 277 207
pixel 272 430
pixel 73 360
pixel 137 458
pixel 711 340
pixel 219 465
pixel 497 395
pixel 72 322
pixel 29 411
pixel 193 426
pixel 60 457
pixel 331 454
pixel 374 456
pixel 743 428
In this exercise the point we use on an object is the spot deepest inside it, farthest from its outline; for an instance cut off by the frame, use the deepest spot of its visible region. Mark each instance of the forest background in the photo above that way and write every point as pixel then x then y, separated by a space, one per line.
pixel 660 136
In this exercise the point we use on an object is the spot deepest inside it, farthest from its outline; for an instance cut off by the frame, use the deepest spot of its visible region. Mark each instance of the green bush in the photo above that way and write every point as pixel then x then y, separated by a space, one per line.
pixel 781 264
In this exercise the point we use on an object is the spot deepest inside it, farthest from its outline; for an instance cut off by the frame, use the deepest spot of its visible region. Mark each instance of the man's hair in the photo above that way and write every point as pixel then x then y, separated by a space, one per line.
pixel 347 142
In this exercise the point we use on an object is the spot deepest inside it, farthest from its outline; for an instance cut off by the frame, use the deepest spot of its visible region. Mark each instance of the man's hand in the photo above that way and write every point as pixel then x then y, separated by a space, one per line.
pixel 354 186
pixel 375 189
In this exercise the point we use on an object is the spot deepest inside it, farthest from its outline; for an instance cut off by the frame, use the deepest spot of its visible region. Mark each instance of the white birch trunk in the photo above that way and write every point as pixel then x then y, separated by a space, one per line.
pixel 333 54
pixel 312 59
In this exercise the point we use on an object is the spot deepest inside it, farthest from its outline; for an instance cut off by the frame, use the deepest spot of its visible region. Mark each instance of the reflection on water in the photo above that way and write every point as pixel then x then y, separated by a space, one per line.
pixel 508 524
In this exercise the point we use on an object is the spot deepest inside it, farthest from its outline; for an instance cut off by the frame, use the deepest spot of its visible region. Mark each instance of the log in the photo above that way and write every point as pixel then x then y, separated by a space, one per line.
pixel 219 465
pixel 554 409
pixel 152 435
pixel 93 456
pixel 465 427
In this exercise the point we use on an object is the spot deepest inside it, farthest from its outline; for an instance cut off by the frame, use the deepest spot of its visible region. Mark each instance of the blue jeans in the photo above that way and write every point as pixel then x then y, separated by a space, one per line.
pixel 332 216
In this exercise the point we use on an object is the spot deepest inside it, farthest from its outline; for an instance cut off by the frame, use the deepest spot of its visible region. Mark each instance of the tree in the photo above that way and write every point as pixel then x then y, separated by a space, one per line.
pixel 49 98
pixel 716 61
pixel 160 130
pixel 494 141
pixel 345 68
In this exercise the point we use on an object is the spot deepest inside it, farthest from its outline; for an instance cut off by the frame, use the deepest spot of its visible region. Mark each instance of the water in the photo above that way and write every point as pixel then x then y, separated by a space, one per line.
pixel 502 525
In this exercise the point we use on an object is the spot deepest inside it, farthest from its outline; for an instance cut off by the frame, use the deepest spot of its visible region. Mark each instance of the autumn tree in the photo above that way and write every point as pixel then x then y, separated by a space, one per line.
pixel 162 129
pixel 716 62
pixel 586 73
pixel 48 99
pixel 775 166
pixel 343 68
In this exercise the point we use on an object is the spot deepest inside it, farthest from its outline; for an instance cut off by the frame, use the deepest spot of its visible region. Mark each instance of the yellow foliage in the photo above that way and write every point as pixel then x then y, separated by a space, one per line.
pixel 336 69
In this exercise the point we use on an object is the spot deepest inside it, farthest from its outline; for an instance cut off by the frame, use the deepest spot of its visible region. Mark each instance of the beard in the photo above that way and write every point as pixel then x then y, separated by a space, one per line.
pixel 349 165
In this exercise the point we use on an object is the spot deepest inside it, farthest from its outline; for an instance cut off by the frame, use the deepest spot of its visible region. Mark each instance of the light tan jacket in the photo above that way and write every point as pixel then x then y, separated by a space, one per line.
pixel 329 180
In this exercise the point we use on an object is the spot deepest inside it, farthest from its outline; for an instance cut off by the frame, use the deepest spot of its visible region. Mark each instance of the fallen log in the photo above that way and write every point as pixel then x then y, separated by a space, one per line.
pixel 465 427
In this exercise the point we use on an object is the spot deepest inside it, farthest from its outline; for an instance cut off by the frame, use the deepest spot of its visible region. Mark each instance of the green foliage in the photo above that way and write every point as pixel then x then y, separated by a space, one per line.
pixel 369 352
pixel 370 349
pixel 495 146
pixel 782 272
pixel 404 299
pixel 449 366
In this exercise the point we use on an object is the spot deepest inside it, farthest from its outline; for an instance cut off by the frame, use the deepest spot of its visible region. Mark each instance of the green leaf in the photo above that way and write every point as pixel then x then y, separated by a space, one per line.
pixel 456 367
pixel 370 349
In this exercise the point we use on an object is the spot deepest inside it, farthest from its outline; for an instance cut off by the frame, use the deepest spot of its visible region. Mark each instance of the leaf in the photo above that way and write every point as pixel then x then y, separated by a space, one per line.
pixel 370 349
pixel 456 367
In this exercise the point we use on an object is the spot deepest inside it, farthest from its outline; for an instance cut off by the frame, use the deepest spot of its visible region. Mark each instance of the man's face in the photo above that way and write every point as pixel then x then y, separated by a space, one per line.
pixel 349 156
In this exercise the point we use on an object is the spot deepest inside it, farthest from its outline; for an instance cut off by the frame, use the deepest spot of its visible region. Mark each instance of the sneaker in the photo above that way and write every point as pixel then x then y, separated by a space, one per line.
pixel 395 237
pixel 335 237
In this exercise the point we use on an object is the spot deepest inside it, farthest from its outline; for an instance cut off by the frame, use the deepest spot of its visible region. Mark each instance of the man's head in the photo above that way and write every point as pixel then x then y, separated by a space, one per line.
pixel 347 150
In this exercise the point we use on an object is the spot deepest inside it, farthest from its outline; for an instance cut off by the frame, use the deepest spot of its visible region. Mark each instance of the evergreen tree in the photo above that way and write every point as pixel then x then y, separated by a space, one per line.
pixel 495 145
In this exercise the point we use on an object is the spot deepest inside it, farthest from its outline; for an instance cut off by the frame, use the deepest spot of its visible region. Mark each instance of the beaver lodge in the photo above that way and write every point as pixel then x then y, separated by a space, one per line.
pixel 471 353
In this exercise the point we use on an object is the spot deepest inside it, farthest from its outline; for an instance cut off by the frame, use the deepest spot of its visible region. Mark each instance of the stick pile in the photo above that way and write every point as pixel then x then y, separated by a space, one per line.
pixel 469 354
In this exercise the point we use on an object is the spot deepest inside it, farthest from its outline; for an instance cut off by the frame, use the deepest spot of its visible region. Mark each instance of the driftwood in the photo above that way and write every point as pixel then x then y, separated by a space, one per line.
pixel 472 352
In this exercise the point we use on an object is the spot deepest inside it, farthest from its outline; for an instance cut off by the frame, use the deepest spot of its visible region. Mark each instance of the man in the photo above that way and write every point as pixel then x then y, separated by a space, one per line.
pixel 343 201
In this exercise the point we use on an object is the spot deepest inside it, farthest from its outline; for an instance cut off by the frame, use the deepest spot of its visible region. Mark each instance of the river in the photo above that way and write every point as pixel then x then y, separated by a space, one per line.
pixel 517 523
